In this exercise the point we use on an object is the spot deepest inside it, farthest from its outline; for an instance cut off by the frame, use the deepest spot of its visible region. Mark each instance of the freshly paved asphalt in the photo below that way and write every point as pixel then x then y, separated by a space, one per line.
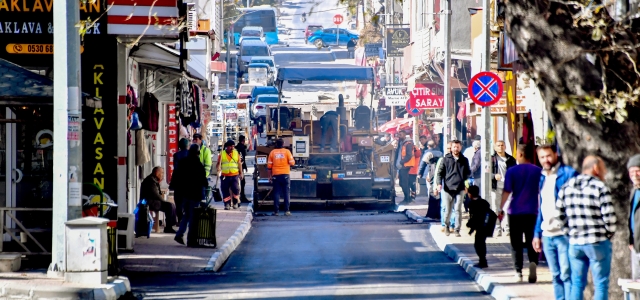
pixel 324 255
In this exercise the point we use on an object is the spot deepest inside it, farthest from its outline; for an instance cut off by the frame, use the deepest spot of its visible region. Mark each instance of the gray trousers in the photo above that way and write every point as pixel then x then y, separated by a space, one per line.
pixel 453 204
pixel 635 271
pixel 496 198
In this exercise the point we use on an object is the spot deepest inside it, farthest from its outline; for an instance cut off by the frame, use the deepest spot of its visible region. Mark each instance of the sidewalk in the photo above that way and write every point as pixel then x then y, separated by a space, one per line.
pixel 36 285
pixel 498 280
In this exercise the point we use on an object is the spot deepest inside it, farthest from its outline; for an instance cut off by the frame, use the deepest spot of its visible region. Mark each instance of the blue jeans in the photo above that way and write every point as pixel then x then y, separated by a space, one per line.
pixel 281 187
pixel 442 213
pixel 188 206
pixel 598 257
pixel 556 250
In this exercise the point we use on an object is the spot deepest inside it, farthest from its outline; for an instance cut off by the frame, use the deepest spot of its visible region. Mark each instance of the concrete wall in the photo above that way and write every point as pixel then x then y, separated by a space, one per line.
pixel 461 23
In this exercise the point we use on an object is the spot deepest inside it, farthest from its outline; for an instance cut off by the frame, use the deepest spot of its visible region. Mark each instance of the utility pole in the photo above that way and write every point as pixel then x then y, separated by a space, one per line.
pixel 486 111
pixel 229 35
pixel 67 126
pixel 446 136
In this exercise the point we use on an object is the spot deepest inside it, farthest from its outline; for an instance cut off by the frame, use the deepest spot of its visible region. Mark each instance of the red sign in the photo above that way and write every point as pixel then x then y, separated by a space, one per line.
pixel 337 19
pixel 485 88
pixel 412 110
pixel 172 139
pixel 427 96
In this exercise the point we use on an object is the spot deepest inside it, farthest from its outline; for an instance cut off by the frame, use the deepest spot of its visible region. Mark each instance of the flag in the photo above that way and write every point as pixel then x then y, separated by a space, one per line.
pixel 527 134
pixel 462 110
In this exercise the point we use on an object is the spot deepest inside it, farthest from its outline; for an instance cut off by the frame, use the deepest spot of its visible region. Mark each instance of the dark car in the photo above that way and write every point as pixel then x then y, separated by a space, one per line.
pixel 226 94
pixel 310 30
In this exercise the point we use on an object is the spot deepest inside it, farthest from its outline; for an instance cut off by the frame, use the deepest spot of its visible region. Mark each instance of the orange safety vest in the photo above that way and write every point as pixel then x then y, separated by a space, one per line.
pixel 412 161
pixel 416 156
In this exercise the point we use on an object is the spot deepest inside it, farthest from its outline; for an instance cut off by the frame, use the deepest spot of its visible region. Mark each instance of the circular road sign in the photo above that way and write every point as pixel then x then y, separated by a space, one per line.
pixel 337 19
pixel 412 110
pixel 485 88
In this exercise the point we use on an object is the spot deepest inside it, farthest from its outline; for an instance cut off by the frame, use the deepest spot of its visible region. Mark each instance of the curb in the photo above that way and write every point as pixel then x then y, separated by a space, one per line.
pixel 221 255
pixel 497 290
pixel 114 289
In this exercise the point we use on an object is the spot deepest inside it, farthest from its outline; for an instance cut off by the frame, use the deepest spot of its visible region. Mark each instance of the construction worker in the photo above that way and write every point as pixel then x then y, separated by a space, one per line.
pixel 405 160
pixel 205 153
pixel 329 119
pixel 279 164
pixel 230 167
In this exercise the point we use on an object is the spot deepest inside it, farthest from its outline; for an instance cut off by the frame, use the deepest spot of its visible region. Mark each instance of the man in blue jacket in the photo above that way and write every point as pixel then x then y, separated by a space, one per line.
pixel 548 233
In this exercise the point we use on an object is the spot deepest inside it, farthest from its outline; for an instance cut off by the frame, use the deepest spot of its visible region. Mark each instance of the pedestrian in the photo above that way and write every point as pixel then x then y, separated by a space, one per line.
pixel 521 183
pixel 475 164
pixel 587 215
pixel 471 150
pixel 413 172
pixel 454 171
pixel 189 179
pixel 549 236
pixel 428 162
pixel 436 181
pixel 478 210
pixel 279 165
pixel 230 167
pixel 150 191
pixel 501 161
pixel 183 145
pixel 351 47
pixel 242 149
pixel 205 153
pixel 329 119
pixel 633 166
pixel 405 159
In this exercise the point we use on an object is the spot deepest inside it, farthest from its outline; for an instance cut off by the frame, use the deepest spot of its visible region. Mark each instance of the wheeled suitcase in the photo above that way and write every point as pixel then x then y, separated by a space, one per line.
pixel 202 228
pixel 144 221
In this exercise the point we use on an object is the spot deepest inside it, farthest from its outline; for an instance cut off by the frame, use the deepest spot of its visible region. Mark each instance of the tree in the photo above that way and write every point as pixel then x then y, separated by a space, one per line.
pixel 584 63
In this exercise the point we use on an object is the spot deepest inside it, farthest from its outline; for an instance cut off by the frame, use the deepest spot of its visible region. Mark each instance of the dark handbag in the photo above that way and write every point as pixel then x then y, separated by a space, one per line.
pixel 217 197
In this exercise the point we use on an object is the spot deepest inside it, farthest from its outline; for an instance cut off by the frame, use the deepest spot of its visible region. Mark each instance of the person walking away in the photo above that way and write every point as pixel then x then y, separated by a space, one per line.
pixel 548 235
pixel 230 167
pixel 351 47
pixel 587 215
pixel 183 145
pixel 633 166
pixel 242 149
pixel 454 171
pixel 329 119
pixel 428 162
pixel 478 209
pixel 521 183
pixel 279 167
pixel 476 163
pixel 500 163
pixel 150 191
pixel 405 159
pixel 205 153
pixel 413 173
pixel 189 179
pixel 437 180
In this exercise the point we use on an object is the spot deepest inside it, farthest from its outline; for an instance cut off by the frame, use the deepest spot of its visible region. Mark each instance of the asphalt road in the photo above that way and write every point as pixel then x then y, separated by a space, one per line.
pixel 325 255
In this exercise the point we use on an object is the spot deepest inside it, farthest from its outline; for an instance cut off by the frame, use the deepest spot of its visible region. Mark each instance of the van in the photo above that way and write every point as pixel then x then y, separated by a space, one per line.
pixel 249 49
pixel 253 32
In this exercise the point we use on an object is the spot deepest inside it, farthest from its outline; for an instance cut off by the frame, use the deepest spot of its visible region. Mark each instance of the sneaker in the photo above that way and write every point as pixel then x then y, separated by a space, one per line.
pixel 288 213
pixel 481 265
pixel 179 240
pixel 533 277
pixel 235 206
pixel 446 231
pixel 458 233
pixel 275 214
pixel 518 276
pixel 442 229
pixel 227 206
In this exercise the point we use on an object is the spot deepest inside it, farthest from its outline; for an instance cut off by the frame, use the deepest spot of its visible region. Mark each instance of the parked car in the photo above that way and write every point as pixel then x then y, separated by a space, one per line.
pixel 259 109
pixel 269 60
pixel 226 94
pixel 249 49
pixel 261 90
pixel 244 91
pixel 328 37
pixel 310 30
pixel 252 31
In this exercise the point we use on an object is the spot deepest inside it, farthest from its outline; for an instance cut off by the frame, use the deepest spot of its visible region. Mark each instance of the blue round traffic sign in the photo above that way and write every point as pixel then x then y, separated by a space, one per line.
pixel 412 110
pixel 485 88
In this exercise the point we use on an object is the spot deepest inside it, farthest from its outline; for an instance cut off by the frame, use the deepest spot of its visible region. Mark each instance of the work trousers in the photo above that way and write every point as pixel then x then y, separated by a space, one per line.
pixel 403 178
pixel 281 187
pixel 412 183
pixel 496 199
pixel 522 225
pixel 325 123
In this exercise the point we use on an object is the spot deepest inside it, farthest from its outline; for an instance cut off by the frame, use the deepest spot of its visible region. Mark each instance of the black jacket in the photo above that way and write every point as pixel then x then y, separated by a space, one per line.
pixel 475 164
pixel 150 191
pixel 189 179
pixel 477 212
pixel 454 173
pixel 242 149
pixel 511 162
pixel 634 235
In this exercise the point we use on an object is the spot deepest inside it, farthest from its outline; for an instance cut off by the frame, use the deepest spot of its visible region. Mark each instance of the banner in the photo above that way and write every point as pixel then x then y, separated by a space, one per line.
pixel 397 40
pixel 372 49
pixel 427 96
pixel 395 95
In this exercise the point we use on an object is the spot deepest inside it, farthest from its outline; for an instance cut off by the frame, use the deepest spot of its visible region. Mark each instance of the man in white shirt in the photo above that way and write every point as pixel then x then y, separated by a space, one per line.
pixel 500 163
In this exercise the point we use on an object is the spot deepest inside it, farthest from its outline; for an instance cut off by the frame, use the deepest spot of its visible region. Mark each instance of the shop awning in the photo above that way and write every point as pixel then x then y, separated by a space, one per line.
pixel 161 55
pixel 19 86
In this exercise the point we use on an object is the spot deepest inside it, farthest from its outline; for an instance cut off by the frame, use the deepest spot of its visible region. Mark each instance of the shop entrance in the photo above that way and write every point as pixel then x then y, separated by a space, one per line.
pixel 26 174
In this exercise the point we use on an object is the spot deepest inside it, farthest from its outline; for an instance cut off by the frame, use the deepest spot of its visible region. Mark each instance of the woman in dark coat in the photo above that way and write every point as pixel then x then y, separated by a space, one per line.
pixel 188 180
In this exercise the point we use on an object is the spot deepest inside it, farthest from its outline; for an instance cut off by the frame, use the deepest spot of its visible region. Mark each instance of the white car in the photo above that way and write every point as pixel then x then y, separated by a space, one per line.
pixel 267 60
pixel 259 107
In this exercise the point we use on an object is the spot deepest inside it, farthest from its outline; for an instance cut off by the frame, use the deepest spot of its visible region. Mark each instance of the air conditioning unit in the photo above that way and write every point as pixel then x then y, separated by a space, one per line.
pixel 192 17
pixel 126 236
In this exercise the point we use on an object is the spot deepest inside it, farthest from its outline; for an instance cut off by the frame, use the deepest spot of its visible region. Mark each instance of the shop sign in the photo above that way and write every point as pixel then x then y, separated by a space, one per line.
pixel 397 40
pixel 427 96
pixel 172 138
pixel 395 95
pixel 372 49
